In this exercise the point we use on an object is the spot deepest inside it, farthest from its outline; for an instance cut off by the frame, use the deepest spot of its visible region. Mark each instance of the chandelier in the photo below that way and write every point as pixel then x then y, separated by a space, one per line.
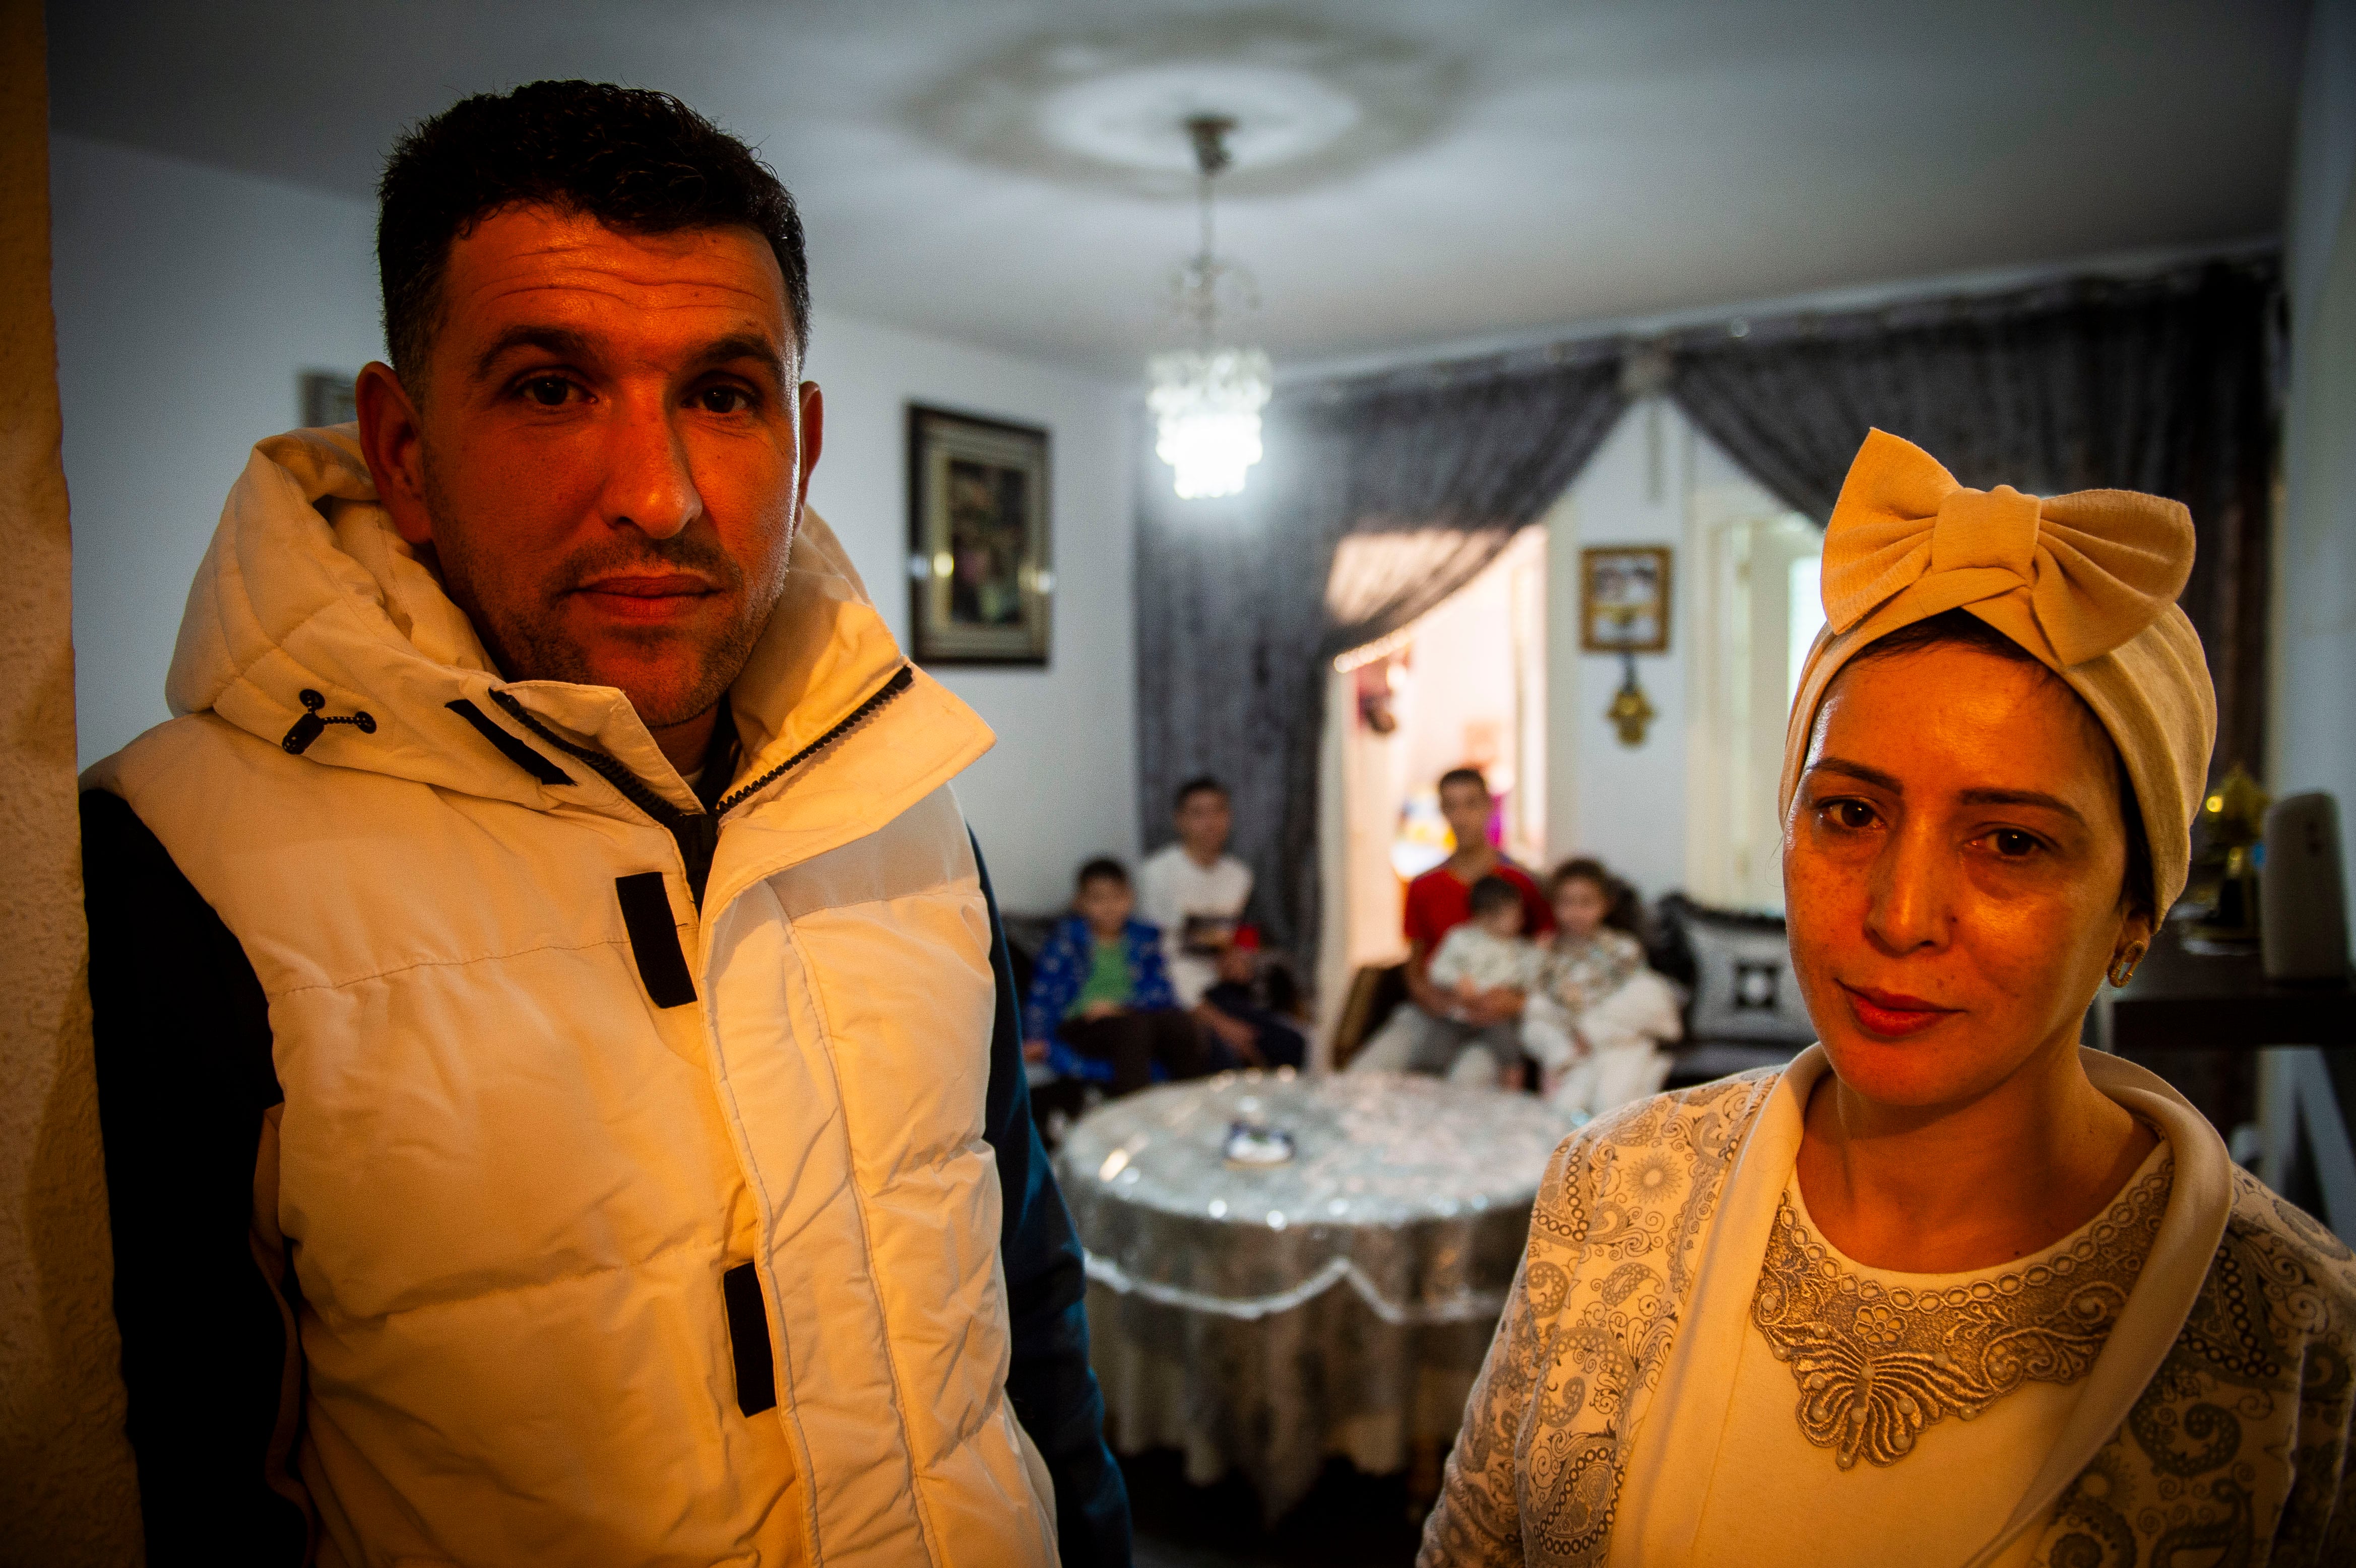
pixel 1206 397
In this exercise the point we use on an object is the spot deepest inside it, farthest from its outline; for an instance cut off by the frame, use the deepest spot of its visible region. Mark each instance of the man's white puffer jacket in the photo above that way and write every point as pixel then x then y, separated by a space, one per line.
pixel 517 1160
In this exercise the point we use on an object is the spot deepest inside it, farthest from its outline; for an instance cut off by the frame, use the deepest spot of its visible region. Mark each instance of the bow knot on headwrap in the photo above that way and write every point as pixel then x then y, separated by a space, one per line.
pixel 2090 569
pixel 2086 583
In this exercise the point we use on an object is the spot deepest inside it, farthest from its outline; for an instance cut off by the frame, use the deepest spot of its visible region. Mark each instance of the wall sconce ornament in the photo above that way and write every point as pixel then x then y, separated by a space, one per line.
pixel 1631 711
pixel 1624 608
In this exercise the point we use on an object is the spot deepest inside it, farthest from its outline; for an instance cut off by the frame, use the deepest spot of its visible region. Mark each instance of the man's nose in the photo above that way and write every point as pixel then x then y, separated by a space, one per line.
pixel 649 485
pixel 1911 901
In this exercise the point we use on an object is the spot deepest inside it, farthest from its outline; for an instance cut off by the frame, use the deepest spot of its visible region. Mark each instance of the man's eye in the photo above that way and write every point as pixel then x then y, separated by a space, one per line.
pixel 723 401
pixel 547 391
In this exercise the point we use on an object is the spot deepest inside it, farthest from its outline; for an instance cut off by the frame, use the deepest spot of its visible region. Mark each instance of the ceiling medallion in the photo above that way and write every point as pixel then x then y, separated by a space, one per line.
pixel 1206 397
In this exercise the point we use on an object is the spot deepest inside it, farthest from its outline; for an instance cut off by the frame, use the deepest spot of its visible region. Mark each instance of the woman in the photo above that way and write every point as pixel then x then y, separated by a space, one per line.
pixel 1948 1288
pixel 1595 1021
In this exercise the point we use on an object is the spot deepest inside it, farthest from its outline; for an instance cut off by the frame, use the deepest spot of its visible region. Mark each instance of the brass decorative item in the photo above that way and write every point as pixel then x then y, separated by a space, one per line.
pixel 1631 711
pixel 2224 873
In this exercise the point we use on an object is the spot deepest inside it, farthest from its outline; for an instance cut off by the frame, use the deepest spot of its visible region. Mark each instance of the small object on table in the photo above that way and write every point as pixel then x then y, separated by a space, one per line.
pixel 1259 1314
pixel 1257 1147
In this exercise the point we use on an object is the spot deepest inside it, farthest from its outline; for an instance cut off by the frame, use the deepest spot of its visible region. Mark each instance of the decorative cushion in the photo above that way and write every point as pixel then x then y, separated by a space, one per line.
pixel 1744 987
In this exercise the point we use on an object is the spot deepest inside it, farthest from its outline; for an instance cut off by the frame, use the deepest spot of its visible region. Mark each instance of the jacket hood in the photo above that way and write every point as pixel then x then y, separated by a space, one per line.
pixel 307 586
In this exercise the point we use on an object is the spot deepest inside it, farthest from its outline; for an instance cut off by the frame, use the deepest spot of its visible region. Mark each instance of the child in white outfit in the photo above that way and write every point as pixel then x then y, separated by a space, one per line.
pixel 1597 1015
pixel 1488 953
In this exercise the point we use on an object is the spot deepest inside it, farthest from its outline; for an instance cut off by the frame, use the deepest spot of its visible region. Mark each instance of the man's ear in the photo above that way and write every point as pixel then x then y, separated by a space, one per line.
pixel 393 440
pixel 813 436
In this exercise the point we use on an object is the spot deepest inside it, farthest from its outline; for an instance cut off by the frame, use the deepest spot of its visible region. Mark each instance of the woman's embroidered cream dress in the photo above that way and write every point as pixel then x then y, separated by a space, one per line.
pixel 1853 1381
pixel 1687 1373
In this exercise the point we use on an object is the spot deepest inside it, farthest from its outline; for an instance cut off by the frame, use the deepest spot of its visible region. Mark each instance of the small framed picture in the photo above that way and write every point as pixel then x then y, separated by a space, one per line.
pixel 980 566
pixel 1623 599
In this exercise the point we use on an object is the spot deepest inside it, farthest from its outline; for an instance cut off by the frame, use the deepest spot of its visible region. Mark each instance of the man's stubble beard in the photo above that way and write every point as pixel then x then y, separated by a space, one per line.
pixel 526 637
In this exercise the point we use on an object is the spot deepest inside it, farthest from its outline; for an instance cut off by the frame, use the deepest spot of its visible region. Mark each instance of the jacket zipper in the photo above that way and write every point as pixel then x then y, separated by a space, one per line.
pixel 698 833
pixel 902 679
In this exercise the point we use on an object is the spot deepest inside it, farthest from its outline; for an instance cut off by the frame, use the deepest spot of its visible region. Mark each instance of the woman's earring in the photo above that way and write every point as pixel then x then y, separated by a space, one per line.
pixel 2123 967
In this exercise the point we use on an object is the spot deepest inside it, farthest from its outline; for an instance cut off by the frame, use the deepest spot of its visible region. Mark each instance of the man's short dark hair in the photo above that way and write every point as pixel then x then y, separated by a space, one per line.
pixel 1492 893
pixel 1472 776
pixel 1201 784
pixel 638 161
pixel 1103 868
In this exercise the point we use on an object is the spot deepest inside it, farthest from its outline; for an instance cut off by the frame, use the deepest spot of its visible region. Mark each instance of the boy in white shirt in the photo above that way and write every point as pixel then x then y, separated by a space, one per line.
pixel 1195 891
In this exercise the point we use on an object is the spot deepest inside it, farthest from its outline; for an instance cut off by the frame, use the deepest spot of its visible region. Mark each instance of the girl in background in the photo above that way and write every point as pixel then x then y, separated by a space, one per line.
pixel 1597 1019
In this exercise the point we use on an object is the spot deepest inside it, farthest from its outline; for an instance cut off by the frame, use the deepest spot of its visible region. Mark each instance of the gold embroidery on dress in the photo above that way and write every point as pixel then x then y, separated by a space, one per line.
pixel 1875 1364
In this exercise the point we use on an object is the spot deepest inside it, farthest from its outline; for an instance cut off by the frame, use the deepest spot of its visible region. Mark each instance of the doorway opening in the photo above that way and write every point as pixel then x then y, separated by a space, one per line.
pixel 1463 686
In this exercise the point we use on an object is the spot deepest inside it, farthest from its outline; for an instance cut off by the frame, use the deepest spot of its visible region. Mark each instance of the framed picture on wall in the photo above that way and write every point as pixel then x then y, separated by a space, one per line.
pixel 1623 599
pixel 980 566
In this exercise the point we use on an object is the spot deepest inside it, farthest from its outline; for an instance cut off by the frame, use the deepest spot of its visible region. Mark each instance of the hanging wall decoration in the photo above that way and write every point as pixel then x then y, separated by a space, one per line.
pixel 980 567
pixel 1624 608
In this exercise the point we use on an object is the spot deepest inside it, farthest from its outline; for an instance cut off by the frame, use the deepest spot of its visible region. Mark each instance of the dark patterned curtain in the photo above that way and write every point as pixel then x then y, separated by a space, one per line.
pixel 1240 612
pixel 2163 385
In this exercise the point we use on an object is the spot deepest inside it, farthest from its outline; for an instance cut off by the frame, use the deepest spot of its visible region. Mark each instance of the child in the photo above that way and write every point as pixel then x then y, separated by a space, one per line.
pixel 1243 993
pixel 1485 954
pixel 1101 1006
pixel 1596 1017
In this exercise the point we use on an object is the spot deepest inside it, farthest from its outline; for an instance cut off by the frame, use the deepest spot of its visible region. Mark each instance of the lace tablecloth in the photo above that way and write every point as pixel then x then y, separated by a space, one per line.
pixel 1261 1319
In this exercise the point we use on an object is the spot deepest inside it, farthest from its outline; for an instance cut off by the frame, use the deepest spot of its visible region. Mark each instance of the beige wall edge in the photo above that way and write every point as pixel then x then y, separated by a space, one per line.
pixel 68 1490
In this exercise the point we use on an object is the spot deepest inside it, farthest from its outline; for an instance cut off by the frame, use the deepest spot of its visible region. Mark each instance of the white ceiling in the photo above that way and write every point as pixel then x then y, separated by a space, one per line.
pixel 1497 167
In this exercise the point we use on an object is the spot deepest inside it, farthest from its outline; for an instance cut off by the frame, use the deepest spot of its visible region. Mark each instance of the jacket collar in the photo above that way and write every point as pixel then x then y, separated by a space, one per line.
pixel 307 587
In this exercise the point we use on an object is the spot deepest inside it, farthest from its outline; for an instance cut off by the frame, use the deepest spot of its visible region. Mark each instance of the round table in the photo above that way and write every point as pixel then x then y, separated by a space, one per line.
pixel 1261 1317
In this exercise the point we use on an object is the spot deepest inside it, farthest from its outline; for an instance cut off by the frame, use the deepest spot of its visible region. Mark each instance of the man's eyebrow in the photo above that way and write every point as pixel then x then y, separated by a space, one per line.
pixel 566 344
pixel 560 341
pixel 744 346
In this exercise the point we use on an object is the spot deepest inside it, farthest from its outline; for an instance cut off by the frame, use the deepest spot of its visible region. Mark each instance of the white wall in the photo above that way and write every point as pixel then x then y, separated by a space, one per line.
pixel 1627 805
pixel 190 299
pixel 2312 720
pixel 1062 783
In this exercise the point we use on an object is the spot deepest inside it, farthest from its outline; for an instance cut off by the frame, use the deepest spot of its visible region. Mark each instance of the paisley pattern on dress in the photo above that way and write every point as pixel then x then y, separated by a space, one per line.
pixel 1536 1472
pixel 1875 1364
pixel 2236 1452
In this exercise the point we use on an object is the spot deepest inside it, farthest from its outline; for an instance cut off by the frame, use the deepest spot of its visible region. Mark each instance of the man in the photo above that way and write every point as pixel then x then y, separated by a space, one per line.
pixel 546 945
pixel 1195 891
pixel 1426 1031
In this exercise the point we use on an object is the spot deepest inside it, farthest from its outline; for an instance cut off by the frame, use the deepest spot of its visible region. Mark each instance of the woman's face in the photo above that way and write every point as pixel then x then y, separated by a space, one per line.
pixel 1951 871
pixel 1579 906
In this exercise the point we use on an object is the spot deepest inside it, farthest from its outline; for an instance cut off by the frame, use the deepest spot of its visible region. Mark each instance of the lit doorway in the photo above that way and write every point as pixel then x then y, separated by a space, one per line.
pixel 1463 686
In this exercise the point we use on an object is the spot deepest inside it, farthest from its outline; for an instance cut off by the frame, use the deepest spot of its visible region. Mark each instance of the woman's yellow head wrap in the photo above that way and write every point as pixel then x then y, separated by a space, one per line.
pixel 2087 582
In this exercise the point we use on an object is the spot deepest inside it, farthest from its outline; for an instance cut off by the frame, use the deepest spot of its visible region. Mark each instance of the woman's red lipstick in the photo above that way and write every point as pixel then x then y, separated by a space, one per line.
pixel 1893 1015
